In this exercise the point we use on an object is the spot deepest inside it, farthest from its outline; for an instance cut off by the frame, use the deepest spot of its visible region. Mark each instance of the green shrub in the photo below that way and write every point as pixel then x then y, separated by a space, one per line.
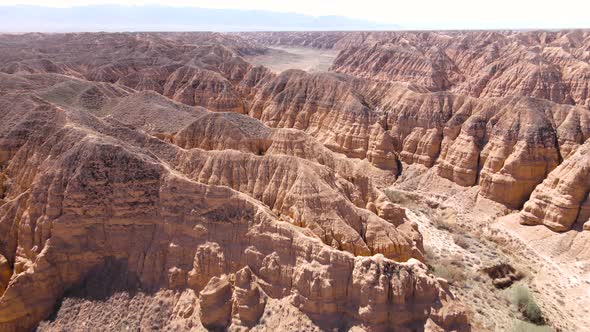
pixel 533 312
pixel 525 302
pixel 520 295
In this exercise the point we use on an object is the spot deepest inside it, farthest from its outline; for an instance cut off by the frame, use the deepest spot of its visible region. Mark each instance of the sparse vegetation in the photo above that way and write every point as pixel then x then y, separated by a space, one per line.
pixel 522 298
pixel 396 196
pixel 452 274
pixel 443 226
pixel 451 269
pixel 404 198
pixel 446 220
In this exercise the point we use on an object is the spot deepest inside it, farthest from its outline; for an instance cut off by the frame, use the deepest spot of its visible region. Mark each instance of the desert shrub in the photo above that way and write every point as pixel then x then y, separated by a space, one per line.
pixel 533 312
pixel 522 326
pixel 394 196
pixel 461 241
pixel 451 269
pixel 430 268
pixel 526 304
pixel 429 253
pixel 456 260
pixel 446 220
pixel 451 273
pixel 520 295
pixel 400 197
pixel 442 226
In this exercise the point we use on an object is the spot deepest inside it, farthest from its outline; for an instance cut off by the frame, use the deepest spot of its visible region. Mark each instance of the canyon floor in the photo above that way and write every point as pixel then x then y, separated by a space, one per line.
pixel 474 234
pixel 295 181
pixel 279 59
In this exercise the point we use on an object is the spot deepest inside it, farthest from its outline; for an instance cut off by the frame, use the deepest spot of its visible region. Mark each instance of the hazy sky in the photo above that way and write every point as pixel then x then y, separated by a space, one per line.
pixel 547 14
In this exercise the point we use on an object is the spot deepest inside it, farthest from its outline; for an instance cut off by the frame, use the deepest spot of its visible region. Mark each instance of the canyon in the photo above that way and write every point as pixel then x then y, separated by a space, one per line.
pixel 293 180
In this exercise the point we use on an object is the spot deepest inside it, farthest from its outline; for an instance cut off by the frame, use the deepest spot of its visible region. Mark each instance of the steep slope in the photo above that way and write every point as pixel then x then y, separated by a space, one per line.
pixel 326 107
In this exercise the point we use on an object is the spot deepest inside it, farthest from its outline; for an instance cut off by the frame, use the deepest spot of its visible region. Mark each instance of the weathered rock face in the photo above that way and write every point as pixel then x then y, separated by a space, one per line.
pixel 218 131
pixel 395 62
pixel 209 89
pixel 249 299
pixel 507 146
pixel 203 74
pixel 90 189
pixel 562 199
pixel 521 152
pixel 281 183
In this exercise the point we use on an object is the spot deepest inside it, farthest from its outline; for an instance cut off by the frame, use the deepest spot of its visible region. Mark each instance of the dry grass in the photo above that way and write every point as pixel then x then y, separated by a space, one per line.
pixel 461 241
pixel 446 220
pixel 407 200
pixel 451 269
pixel 457 250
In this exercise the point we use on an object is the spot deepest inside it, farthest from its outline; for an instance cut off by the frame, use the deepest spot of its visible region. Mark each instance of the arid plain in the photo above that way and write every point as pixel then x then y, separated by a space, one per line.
pixel 295 181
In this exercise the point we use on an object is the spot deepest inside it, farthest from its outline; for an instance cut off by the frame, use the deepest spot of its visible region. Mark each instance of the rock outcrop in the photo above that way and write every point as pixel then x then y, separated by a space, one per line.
pixel 327 108
pixel 216 303
pixel 249 299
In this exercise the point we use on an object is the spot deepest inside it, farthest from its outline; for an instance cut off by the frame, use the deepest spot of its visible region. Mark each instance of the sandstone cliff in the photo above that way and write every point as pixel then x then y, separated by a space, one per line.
pixel 562 199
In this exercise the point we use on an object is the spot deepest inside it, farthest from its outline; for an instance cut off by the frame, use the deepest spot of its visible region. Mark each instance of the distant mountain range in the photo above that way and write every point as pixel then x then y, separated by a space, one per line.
pixel 25 18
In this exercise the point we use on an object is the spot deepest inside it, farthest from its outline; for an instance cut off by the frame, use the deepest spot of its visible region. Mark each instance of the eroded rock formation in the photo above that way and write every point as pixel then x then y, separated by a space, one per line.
pixel 98 185
pixel 548 65
pixel 218 191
